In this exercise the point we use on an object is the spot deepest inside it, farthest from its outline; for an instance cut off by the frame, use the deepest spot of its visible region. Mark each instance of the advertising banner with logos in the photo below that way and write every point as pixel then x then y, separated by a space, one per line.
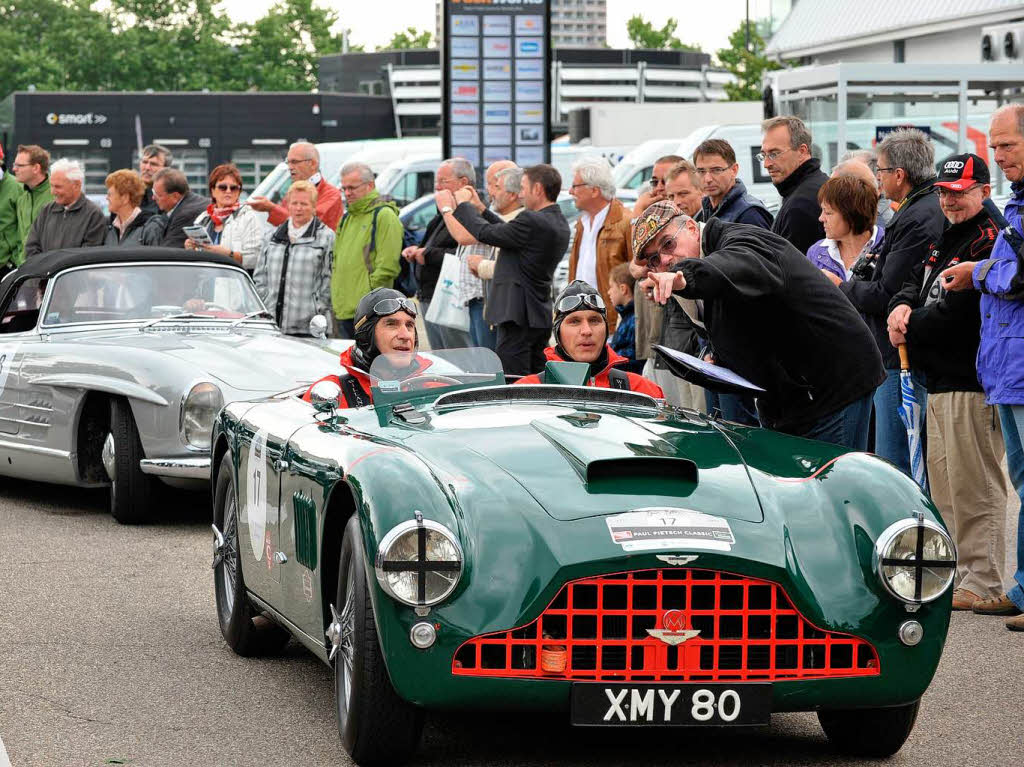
pixel 496 81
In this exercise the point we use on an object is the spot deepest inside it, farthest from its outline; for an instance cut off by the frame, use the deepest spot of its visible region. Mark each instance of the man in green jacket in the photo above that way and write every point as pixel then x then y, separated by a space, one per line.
pixel 10 244
pixel 31 168
pixel 367 246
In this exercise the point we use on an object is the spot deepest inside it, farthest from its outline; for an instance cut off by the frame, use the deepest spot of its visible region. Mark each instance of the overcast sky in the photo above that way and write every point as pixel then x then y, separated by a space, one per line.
pixel 373 23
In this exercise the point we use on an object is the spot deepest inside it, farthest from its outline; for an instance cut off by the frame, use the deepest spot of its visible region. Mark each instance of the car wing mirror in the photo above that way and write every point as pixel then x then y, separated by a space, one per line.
pixel 324 396
pixel 318 327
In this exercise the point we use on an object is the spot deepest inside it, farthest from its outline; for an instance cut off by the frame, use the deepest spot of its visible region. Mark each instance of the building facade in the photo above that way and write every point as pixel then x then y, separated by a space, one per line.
pixel 580 78
pixel 822 32
pixel 252 130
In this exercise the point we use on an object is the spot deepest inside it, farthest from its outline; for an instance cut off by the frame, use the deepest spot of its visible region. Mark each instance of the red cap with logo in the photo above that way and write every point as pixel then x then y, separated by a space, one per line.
pixel 962 171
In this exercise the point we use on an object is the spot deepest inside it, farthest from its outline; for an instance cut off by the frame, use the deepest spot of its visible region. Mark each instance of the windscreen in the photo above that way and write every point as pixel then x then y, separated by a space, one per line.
pixel 149 291
pixel 414 372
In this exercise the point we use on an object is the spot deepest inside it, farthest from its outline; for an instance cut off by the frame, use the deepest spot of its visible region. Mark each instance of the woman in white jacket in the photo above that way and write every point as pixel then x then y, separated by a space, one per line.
pixel 235 229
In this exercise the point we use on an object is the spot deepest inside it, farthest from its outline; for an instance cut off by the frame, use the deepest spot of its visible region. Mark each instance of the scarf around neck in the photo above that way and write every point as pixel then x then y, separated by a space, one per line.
pixel 219 215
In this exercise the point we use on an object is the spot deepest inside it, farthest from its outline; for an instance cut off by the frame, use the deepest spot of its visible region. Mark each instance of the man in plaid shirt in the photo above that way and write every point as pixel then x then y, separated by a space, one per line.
pixel 293 273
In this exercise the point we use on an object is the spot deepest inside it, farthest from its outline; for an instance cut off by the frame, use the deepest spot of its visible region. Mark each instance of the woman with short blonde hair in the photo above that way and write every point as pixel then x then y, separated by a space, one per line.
pixel 129 225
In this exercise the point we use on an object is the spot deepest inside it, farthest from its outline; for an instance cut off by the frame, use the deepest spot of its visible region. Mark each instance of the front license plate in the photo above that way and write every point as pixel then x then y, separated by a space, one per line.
pixel 680 705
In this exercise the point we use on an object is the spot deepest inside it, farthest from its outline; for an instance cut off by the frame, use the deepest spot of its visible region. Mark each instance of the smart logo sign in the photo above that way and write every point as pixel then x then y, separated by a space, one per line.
pixel 75 118
pixel 496 66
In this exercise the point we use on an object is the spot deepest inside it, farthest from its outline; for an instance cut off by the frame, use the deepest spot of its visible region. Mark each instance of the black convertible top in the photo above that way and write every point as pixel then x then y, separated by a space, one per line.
pixel 55 261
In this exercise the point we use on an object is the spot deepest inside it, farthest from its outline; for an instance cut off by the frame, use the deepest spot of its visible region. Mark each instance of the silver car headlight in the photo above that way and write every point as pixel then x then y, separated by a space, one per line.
pixel 916 560
pixel 198 411
pixel 419 562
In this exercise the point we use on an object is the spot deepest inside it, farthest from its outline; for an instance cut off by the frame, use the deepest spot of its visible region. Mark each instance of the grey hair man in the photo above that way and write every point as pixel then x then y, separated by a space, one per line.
pixel 786 155
pixel 71 220
pixel 303 163
pixel 452 174
pixel 476 260
pixel 906 172
pixel 602 235
pixel 179 205
pixel 154 158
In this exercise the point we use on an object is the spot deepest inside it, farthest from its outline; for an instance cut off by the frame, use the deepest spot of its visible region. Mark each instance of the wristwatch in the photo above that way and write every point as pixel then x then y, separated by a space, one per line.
pixel 446 209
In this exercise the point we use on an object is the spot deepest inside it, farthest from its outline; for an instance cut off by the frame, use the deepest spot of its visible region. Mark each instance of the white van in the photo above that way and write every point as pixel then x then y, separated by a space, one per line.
pixel 635 166
pixel 377 153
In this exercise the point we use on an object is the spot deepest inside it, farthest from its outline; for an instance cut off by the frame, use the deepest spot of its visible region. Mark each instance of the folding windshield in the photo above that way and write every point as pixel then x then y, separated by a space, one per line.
pixel 149 291
pixel 402 376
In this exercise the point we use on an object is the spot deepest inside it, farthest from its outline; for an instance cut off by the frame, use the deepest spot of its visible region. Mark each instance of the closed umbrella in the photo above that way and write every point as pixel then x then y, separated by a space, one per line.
pixel 910 414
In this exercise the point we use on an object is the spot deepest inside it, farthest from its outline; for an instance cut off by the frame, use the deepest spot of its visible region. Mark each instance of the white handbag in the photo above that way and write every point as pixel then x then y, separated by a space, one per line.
pixel 446 307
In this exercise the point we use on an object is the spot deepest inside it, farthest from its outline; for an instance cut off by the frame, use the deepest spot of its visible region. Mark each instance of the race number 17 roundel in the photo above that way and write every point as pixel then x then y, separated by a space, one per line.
pixel 256 492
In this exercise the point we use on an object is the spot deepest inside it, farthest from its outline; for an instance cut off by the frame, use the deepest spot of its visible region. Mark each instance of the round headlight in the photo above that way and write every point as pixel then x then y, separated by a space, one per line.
pixel 198 411
pixel 916 560
pixel 419 562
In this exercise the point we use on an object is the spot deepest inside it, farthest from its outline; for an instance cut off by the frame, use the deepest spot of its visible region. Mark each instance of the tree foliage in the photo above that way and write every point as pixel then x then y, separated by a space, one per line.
pixel 642 34
pixel 410 37
pixel 748 66
pixel 161 44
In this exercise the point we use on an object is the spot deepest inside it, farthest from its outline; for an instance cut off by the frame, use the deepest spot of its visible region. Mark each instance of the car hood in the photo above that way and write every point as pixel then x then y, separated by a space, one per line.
pixel 247 362
pixel 578 464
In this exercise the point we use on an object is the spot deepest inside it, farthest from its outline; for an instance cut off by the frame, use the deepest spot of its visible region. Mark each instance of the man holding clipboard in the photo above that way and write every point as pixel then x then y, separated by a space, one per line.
pixel 770 316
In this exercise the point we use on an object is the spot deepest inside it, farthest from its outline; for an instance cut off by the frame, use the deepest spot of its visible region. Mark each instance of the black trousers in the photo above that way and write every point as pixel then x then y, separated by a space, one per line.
pixel 521 350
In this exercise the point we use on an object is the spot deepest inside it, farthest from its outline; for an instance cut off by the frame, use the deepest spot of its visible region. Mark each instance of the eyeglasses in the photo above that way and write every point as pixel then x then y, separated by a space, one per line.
pixel 347 189
pixel 292 163
pixel 957 194
pixel 655 181
pixel 711 171
pixel 387 306
pixel 228 188
pixel 573 186
pixel 885 170
pixel 572 303
pixel 667 247
pixel 773 155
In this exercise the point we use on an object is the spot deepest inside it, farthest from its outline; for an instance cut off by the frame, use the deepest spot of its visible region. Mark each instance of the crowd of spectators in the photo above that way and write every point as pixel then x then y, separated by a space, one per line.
pixel 892 262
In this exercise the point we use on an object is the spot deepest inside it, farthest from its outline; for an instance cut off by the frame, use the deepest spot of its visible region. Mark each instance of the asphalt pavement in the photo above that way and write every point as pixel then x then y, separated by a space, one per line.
pixel 110 653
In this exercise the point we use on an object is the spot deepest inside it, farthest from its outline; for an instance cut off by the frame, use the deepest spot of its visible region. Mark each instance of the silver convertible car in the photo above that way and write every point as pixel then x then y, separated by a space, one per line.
pixel 115 362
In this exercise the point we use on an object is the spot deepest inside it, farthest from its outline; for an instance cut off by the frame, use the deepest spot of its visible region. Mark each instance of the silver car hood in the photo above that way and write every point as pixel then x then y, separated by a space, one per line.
pixel 256 362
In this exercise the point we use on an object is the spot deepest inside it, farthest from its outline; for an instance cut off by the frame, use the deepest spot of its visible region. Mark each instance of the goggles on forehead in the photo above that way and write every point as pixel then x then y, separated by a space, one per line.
pixel 572 303
pixel 388 306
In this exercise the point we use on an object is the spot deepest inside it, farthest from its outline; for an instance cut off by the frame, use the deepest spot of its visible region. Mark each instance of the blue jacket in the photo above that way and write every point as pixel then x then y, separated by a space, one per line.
pixel 624 340
pixel 737 206
pixel 1001 351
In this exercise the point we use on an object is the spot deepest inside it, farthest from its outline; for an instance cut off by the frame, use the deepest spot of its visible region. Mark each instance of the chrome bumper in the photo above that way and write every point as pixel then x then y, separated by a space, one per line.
pixel 183 468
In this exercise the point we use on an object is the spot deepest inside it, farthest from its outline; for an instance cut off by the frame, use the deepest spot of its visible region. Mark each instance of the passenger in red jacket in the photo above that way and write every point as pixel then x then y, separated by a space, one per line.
pixel 385 323
pixel 581 335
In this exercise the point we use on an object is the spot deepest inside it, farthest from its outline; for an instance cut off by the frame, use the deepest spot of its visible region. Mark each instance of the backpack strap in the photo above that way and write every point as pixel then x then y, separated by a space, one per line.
pixel 372 244
pixel 355 394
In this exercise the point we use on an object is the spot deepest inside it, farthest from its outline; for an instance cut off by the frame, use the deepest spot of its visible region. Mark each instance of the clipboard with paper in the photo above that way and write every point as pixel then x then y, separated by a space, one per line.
pixel 712 377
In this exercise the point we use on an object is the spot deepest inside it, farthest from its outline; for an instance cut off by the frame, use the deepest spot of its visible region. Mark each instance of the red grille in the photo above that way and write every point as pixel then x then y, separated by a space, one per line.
pixel 597 628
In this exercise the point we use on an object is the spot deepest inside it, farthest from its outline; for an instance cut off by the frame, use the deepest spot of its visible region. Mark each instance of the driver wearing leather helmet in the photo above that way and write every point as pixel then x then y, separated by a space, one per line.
pixel 385 323
pixel 581 335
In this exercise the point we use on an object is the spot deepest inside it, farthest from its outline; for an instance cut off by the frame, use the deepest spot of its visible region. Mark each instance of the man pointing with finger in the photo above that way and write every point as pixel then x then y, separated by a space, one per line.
pixel 771 317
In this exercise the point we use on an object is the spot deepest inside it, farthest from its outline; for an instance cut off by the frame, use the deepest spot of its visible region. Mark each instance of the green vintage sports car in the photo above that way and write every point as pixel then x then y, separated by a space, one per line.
pixel 463 543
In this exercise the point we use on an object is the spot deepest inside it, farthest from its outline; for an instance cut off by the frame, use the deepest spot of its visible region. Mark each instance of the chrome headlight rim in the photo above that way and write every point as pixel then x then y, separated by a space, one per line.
pixel 885 542
pixel 188 404
pixel 397 532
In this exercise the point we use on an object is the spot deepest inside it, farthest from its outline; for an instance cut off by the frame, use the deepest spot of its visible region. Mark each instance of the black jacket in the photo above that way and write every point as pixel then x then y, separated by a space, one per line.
pixel 945 328
pixel 797 220
pixel 190 206
pixel 148 204
pixel 531 245
pixel 738 206
pixel 776 320
pixel 436 242
pixel 917 224
pixel 145 229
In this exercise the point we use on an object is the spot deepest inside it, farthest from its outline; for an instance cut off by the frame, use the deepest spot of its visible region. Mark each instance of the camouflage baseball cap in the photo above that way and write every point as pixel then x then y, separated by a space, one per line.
pixel 654 218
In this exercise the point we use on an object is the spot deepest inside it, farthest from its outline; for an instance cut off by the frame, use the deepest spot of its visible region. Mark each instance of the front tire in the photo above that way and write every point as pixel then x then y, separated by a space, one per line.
pixel 375 724
pixel 131 491
pixel 247 632
pixel 870 732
